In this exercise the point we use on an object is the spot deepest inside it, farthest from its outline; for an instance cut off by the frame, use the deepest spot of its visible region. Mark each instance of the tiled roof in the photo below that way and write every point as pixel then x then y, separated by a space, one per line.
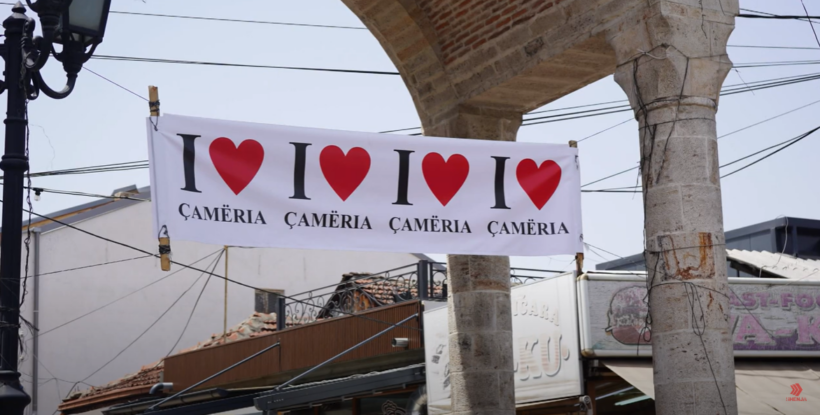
pixel 382 291
pixel 781 265
pixel 148 375
pixel 258 324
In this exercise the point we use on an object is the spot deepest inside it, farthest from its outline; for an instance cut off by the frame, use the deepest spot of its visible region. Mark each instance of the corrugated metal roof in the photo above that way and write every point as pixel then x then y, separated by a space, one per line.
pixel 782 265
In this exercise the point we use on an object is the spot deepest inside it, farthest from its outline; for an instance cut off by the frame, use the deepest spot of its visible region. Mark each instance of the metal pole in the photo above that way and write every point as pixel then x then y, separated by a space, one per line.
pixel 225 318
pixel 35 321
pixel 153 407
pixel 14 164
pixel 281 321
pixel 344 352
pixel 423 275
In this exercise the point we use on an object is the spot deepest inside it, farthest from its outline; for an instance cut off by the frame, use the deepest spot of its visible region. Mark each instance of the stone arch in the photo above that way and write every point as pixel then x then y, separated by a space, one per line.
pixel 406 35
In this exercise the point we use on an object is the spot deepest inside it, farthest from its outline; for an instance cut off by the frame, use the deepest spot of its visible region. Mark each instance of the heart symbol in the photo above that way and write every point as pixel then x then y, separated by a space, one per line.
pixel 344 173
pixel 236 165
pixel 539 182
pixel 445 178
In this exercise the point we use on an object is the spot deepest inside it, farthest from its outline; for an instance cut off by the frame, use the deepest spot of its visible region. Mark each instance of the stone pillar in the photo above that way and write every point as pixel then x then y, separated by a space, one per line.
pixel 479 307
pixel 672 66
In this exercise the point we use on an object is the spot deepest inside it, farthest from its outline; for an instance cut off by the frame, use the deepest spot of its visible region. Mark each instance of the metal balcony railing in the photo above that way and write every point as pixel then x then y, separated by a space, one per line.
pixel 424 280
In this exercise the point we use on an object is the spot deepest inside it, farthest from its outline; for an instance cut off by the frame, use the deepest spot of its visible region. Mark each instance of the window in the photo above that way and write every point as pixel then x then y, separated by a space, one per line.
pixel 266 301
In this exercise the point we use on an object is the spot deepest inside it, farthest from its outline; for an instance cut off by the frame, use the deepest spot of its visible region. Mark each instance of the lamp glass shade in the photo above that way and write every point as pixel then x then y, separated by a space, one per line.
pixel 88 17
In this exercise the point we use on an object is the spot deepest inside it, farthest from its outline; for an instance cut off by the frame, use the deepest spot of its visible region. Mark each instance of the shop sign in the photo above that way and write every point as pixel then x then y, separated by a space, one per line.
pixel 235 183
pixel 545 345
pixel 767 317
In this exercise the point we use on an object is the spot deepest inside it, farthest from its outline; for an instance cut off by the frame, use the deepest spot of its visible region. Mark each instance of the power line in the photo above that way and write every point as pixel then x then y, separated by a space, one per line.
pixel 74 193
pixel 93 266
pixel 236 65
pixel 777 16
pixel 589 245
pixel 199 297
pixel 747 65
pixel 185 266
pixel 220 19
pixel 768 119
pixel 718 138
pixel 772 14
pixel 811 24
pixel 773 47
pixel 727 90
pixel 783 145
pixel 144 332
pixel 116 84
pixel 359 71
pixel 606 129
pixel 125 296
pixel 793 142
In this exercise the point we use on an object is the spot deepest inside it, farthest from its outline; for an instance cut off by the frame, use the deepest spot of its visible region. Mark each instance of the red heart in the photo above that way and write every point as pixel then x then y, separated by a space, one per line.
pixel 236 166
pixel 539 182
pixel 445 178
pixel 344 173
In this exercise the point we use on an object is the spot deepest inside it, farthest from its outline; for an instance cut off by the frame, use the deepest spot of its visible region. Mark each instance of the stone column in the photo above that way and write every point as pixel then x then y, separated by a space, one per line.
pixel 479 307
pixel 672 66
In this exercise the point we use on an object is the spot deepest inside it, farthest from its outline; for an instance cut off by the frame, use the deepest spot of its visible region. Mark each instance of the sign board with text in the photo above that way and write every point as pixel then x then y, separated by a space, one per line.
pixel 545 345
pixel 236 183
pixel 768 317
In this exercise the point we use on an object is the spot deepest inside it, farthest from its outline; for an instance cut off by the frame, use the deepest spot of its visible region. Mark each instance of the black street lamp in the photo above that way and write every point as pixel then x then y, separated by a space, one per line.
pixel 78 26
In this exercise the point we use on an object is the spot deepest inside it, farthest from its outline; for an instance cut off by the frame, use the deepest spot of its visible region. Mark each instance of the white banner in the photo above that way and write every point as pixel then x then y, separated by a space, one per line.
pixel 545 345
pixel 236 183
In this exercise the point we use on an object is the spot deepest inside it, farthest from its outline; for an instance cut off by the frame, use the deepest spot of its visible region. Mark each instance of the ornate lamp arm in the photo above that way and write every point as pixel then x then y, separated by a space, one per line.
pixel 41 85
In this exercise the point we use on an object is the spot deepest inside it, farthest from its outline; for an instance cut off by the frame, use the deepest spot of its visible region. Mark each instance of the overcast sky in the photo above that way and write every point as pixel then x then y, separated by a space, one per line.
pixel 100 123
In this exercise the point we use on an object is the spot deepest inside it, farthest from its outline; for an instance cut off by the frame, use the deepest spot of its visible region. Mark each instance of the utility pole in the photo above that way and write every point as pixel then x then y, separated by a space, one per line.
pixel 14 164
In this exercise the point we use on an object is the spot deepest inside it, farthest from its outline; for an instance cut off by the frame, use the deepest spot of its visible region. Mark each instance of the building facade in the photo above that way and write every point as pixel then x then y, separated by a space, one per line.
pixel 97 322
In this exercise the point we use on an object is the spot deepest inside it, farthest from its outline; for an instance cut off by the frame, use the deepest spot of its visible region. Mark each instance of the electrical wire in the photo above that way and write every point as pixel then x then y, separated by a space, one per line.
pixel 783 145
pixel 144 332
pixel 221 19
pixel 605 130
pixel 718 138
pixel 93 266
pixel 790 143
pixel 125 296
pixel 810 24
pixel 773 47
pixel 116 84
pixel 186 266
pixel 727 90
pixel 772 14
pixel 199 297
pixel 777 16
pixel 236 65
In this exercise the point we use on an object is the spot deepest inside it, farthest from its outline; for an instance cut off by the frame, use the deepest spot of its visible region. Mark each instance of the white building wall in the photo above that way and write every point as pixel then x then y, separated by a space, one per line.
pixel 73 352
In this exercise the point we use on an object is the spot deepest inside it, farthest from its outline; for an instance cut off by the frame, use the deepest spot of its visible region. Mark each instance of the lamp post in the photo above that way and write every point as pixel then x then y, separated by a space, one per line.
pixel 78 26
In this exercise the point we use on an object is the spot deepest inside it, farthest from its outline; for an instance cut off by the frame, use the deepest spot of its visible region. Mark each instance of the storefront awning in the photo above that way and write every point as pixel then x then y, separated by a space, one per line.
pixel 762 387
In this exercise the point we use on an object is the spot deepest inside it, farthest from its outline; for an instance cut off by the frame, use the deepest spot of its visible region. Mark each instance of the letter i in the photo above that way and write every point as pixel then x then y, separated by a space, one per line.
pixel 500 202
pixel 404 174
pixel 188 159
pixel 299 171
